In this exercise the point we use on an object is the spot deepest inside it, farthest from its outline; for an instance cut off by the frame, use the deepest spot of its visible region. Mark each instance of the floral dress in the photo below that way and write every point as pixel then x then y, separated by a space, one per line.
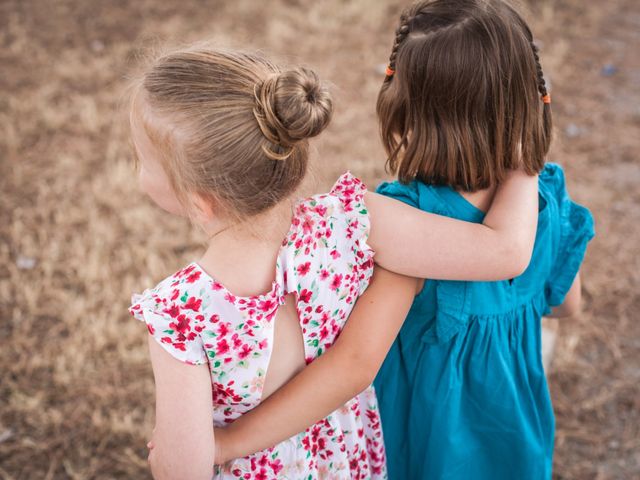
pixel 326 263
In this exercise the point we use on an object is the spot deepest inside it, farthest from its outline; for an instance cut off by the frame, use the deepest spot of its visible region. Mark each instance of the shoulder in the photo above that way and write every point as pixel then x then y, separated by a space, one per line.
pixel 552 179
pixel 344 204
pixel 173 311
pixel 181 292
pixel 407 193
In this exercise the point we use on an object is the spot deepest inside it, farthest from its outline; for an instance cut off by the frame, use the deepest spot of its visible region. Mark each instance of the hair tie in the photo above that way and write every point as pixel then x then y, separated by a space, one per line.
pixel 389 71
pixel 546 99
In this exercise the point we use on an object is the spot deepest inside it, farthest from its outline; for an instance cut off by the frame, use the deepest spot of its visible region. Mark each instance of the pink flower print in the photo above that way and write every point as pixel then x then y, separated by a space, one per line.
pixel 372 416
pixel 257 383
pixel 223 328
pixel 266 305
pixel 193 277
pixel 237 341
pixel 173 311
pixel 151 329
pixel 335 254
pixel 175 294
pixel 324 333
pixel 304 268
pixel 230 298
pixel 245 351
pixel 180 346
pixel 182 324
pixel 263 344
pixel 222 347
pixel 276 466
pixel 185 271
pixel 216 286
pixel 307 225
pixel 215 318
pixel 262 474
pixel 324 274
pixel 321 210
pixel 298 243
pixel 305 296
pixel 193 304
pixel 336 282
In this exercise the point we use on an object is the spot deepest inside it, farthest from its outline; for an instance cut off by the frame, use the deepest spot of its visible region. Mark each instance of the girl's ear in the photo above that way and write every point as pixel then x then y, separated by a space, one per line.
pixel 205 207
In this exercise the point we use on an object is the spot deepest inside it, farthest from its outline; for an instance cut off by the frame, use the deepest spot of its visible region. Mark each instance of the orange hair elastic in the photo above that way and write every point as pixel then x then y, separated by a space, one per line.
pixel 546 99
pixel 389 71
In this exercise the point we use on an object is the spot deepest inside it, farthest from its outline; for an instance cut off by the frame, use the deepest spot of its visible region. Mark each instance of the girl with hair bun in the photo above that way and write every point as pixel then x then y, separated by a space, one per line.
pixel 222 137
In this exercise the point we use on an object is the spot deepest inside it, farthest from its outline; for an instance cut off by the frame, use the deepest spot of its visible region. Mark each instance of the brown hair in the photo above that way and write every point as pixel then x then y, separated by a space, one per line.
pixel 461 103
pixel 232 126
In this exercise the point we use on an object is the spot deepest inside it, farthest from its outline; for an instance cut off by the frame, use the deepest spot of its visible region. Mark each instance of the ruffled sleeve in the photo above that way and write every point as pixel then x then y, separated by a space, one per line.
pixel 576 229
pixel 349 191
pixel 172 313
pixel 405 193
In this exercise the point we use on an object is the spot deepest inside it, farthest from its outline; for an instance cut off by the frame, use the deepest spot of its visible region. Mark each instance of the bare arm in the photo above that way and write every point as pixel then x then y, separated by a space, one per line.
pixel 572 301
pixel 183 439
pixel 362 347
pixel 425 245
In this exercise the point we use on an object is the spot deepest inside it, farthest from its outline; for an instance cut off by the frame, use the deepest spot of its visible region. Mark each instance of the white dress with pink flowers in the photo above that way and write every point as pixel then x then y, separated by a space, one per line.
pixel 326 262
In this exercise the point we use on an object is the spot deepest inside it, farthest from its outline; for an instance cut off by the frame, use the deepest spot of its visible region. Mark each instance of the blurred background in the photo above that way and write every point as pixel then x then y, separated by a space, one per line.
pixel 76 237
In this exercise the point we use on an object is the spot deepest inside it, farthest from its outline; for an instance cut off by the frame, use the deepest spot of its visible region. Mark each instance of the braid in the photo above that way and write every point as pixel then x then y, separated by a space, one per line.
pixel 401 34
pixel 542 85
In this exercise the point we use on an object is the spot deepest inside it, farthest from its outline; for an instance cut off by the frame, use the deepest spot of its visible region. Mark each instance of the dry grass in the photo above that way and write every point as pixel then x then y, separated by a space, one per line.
pixel 75 385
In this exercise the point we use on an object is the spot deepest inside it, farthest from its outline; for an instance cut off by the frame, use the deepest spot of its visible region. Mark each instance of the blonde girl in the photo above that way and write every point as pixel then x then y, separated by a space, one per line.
pixel 222 137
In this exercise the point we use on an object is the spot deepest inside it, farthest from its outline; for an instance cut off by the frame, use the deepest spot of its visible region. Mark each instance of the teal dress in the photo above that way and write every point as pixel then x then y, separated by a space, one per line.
pixel 462 392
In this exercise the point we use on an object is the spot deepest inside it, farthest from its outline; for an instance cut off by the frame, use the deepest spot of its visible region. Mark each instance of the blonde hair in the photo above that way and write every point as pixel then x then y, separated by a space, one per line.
pixel 231 126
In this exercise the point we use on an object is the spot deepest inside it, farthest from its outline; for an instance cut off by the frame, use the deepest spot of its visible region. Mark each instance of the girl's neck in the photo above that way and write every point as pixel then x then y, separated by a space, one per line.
pixel 480 199
pixel 242 255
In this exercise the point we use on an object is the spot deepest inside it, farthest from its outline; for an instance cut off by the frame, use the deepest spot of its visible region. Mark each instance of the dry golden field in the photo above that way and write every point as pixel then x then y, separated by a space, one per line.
pixel 76 238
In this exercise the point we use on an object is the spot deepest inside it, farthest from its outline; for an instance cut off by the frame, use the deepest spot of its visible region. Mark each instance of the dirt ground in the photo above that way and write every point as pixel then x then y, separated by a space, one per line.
pixel 76 238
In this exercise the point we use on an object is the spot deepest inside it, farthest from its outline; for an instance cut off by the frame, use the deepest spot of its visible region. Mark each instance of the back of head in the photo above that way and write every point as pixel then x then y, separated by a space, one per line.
pixel 231 126
pixel 461 103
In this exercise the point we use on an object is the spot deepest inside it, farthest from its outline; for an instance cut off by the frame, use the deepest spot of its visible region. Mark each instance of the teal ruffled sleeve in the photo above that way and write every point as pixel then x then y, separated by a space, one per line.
pixel 405 193
pixel 576 230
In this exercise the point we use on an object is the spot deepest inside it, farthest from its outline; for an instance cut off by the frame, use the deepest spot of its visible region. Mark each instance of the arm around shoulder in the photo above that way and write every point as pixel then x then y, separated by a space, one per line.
pixel 342 372
pixel 424 245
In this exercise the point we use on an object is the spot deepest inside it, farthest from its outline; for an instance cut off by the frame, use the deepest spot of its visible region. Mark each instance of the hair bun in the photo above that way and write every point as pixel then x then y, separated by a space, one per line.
pixel 291 106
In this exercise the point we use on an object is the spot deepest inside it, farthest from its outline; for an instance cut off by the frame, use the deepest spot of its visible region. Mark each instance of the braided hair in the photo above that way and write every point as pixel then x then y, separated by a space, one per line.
pixel 469 101
pixel 401 34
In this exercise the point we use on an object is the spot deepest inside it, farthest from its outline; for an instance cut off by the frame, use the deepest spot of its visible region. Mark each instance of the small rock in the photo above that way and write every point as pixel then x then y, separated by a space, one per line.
pixel 5 435
pixel 25 263
pixel 573 130
pixel 608 70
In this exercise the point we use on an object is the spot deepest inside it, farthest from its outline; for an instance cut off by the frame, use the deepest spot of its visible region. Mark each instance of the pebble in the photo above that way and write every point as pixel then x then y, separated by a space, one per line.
pixel 572 130
pixel 25 263
pixel 608 70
